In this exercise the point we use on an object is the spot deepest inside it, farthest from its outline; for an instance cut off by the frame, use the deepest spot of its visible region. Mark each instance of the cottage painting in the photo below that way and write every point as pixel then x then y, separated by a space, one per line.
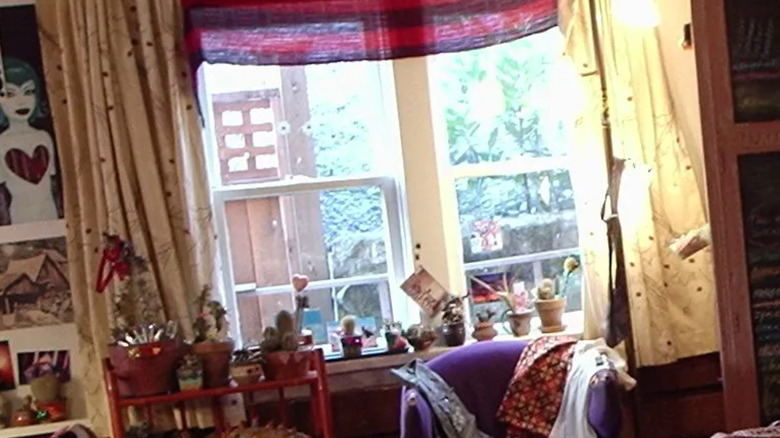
pixel 34 287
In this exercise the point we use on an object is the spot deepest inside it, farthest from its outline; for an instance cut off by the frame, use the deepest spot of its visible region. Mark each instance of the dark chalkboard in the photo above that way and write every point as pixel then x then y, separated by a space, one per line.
pixel 760 189
pixel 754 51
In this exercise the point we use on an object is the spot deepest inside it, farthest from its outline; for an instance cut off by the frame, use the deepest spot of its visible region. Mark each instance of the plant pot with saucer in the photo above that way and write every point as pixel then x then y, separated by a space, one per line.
pixel 551 303
pixel 453 328
pixel 484 330
pixel 519 313
pixel 212 344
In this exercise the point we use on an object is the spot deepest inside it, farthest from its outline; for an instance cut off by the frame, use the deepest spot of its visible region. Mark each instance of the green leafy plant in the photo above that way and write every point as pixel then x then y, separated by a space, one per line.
pixel 211 324
pixel 453 311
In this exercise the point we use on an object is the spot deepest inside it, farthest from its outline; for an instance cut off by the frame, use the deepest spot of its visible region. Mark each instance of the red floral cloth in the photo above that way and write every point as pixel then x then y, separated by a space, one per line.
pixel 534 396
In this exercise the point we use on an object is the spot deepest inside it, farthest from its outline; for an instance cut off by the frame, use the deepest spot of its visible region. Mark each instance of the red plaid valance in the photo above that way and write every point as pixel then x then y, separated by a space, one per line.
pixel 289 32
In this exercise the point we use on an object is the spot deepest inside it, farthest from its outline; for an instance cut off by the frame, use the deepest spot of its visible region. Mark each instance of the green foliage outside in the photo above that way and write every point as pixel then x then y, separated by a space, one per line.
pixel 497 107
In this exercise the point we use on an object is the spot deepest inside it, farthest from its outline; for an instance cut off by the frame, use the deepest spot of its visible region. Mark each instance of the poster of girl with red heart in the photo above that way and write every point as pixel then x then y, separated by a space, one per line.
pixel 29 178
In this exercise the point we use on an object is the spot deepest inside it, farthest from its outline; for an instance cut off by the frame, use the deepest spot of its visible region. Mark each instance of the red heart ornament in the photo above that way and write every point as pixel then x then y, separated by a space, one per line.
pixel 31 169
pixel 299 282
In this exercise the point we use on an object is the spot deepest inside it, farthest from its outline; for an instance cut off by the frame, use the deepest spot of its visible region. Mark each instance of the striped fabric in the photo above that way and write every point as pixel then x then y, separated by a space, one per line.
pixel 290 32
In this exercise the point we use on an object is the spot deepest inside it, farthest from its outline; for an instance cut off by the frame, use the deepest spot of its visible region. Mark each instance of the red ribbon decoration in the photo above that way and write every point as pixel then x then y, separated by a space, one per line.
pixel 113 260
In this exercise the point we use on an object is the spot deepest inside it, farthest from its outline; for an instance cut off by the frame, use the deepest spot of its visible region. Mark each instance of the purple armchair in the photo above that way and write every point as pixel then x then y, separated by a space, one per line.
pixel 479 374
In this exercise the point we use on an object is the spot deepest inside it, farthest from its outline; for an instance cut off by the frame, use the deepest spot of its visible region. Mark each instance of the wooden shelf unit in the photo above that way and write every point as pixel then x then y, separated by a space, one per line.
pixel 316 380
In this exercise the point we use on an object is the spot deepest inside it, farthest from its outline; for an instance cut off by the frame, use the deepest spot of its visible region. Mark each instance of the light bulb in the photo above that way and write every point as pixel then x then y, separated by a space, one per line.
pixel 637 13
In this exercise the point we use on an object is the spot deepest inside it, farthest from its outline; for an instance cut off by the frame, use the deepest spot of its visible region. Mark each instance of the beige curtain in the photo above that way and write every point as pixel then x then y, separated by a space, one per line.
pixel 132 163
pixel 672 300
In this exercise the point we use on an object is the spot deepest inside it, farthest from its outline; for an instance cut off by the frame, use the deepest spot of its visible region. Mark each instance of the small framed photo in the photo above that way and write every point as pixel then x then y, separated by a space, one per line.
pixel 428 293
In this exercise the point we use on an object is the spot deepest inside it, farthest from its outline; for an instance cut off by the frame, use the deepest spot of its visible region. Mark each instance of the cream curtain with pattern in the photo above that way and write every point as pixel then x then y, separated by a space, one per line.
pixel 132 162
pixel 672 300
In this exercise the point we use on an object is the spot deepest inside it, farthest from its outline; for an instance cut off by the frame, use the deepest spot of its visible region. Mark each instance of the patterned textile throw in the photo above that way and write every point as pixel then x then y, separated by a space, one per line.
pixel 772 431
pixel 534 395
pixel 290 32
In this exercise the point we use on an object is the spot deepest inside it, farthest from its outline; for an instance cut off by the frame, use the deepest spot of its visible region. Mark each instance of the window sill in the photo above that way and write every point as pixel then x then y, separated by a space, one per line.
pixel 372 372
pixel 574 322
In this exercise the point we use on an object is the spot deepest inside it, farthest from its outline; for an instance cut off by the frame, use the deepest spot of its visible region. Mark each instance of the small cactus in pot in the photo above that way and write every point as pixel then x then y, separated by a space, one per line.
pixel 551 300
pixel 283 358
pixel 351 342
pixel 484 330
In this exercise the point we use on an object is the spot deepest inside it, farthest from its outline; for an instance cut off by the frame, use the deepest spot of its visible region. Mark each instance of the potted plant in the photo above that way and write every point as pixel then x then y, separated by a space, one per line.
pixel 351 343
pixel 551 303
pixel 393 332
pixel 212 343
pixel 190 373
pixel 247 366
pixel 143 352
pixel 519 312
pixel 453 329
pixel 283 357
pixel 484 330
pixel 420 337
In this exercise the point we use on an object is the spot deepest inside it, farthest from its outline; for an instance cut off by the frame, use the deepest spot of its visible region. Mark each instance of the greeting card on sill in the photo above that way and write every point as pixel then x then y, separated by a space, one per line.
pixel 428 293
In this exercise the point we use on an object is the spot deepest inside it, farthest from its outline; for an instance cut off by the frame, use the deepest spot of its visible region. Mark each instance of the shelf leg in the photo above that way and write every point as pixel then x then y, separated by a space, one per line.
pixel 218 414
pixel 149 416
pixel 183 413
pixel 323 395
pixel 317 426
pixel 283 414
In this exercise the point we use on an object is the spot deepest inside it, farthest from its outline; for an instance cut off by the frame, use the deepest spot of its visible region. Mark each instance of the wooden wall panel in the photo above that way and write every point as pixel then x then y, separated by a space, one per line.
pixel 681 400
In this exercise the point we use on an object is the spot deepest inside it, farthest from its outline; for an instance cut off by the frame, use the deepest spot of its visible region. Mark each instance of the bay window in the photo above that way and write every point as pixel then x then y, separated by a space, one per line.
pixel 343 172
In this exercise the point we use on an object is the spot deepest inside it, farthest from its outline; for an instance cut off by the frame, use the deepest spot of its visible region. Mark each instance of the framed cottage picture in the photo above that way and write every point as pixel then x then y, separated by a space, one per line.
pixel 30 183
pixel 34 286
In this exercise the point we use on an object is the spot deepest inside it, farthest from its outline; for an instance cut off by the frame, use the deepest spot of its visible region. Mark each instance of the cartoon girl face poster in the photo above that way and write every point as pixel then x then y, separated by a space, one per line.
pixel 29 177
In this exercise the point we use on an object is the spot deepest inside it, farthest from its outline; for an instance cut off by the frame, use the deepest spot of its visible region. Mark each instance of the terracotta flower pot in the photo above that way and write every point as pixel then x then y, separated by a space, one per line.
pixel 484 331
pixel 286 365
pixel 454 334
pixel 551 314
pixel 215 357
pixel 520 323
pixel 148 369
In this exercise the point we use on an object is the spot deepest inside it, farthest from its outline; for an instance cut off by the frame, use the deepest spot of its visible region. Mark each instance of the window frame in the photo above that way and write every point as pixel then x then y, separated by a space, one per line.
pixel 386 179
pixel 419 195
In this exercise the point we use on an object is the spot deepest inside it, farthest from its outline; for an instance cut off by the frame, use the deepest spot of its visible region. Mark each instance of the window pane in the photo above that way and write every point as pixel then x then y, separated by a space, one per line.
pixel 319 120
pixel 516 215
pixel 525 276
pixel 370 303
pixel 504 102
pixel 332 234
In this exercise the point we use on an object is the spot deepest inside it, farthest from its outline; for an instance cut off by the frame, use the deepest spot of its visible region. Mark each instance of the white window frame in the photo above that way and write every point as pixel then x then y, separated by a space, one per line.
pixel 419 197
pixel 387 179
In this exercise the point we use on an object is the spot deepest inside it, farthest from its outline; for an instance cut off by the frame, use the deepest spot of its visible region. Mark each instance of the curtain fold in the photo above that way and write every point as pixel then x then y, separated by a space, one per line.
pixel 288 32
pixel 132 161
pixel 672 301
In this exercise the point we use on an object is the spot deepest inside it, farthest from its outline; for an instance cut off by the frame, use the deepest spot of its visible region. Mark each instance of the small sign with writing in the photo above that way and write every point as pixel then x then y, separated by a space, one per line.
pixel 425 291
